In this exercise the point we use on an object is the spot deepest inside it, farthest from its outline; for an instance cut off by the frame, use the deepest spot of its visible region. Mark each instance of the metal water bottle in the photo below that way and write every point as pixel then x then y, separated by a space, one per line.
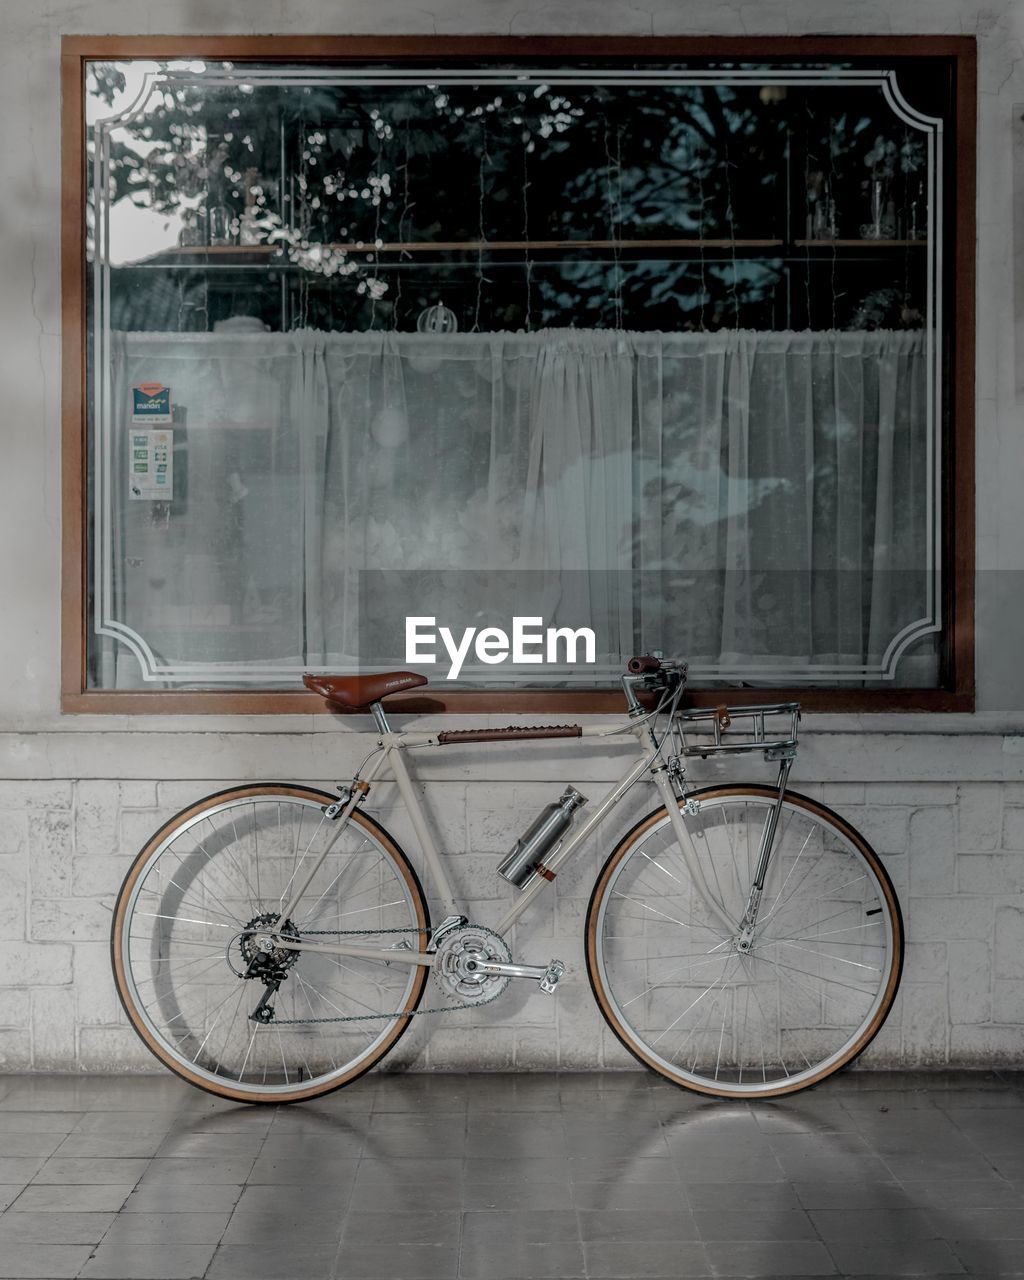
pixel 546 831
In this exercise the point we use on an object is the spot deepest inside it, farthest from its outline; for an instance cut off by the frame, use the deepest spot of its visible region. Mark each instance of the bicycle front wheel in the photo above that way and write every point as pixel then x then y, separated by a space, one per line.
pixel 683 996
pixel 190 978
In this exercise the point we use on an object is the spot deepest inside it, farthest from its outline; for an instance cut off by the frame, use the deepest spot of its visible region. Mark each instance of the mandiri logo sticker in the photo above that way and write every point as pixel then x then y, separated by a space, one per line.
pixel 151 404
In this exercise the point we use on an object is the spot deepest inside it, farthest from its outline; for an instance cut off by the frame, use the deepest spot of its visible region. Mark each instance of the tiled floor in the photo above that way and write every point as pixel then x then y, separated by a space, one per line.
pixel 490 1176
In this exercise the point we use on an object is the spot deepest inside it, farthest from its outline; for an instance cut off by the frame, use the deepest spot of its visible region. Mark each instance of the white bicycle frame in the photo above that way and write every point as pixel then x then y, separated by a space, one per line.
pixel 389 758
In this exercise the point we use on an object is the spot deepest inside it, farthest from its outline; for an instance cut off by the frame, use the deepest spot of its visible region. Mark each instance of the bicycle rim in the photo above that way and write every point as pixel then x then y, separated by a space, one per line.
pixel 229 864
pixel 683 998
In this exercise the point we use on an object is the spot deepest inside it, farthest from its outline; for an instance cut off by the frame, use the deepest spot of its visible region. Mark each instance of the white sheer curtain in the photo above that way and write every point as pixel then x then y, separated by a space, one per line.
pixel 757 501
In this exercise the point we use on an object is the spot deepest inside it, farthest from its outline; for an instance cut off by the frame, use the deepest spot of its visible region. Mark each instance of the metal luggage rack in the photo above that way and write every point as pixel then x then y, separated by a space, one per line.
pixel 771 728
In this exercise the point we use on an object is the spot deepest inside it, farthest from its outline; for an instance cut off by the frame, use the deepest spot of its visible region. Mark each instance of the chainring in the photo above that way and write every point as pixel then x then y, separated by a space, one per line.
pixel 455 954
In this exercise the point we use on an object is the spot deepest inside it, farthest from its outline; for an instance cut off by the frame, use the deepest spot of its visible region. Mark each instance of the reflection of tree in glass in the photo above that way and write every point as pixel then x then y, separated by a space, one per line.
pixel 333 174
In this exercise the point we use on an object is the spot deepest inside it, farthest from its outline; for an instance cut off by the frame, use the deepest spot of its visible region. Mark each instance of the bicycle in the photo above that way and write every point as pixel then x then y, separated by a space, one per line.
pixel 272 943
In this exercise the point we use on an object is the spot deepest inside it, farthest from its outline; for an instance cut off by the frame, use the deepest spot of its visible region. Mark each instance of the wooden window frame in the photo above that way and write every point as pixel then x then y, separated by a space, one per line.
pixel 958 470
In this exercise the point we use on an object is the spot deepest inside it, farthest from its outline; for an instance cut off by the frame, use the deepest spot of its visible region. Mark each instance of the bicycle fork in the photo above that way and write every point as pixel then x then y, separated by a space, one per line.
pixel 744 939
pixel 742 931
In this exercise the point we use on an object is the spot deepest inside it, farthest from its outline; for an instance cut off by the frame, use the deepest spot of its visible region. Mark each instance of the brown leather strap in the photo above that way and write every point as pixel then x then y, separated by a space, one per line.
pixel 513 731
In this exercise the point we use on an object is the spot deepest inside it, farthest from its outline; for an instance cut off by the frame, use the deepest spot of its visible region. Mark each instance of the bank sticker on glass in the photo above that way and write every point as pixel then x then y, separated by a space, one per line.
pixel 151 403
pixel 151 465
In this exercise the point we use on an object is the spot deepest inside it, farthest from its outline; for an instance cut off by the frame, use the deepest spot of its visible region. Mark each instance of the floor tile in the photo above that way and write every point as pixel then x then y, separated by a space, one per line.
pixel 19 1168
pixel 509 1196
pixel 530 1169
pixel 637 1224
pixel 281 1143
pixel 141 1093
pixel 515 1259
pixel 882 1100
pixel 768 1258
pixel 745 1197
pixel 79 1197
pixel 168 1228
pixel 90 1170
pixel 645 1258
pixel 527 1094
pixel 57 1227
pixel 312 1224
pixel 398 1197
pixel 997 1257
pixel 387 1261
pixel 49 1261
pixel 894 1257
pixel 185 1170
pixel 736 1225
pixel 288 1260
pixel 875 1225
pixel 194 1197
pixel 220 1145
pixel 986 1224
pixel 850 1195
pixel 144 1262
pixel 487 1228
pixel 39 1121
pixel 110 1145
pixel 429 1226
pixel 992 1192
pixel 804 1115
pixel 629 1195
pixel 267 1199
pixel 108 1123
pixel 911 1167
pixel 515 1142
pixel 733 1168
pixel 49 1093
pixel 290 1170
pixel 618 1168
pixel 29 1144
pixel 1008 1164
pixel 239 1119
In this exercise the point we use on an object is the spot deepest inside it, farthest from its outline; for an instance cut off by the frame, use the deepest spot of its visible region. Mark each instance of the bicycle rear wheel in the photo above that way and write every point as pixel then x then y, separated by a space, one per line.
pixel 180 954
pixel 680 994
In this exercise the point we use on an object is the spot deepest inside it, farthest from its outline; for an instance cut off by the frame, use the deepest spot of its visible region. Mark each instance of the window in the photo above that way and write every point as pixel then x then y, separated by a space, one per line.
pixel 667 339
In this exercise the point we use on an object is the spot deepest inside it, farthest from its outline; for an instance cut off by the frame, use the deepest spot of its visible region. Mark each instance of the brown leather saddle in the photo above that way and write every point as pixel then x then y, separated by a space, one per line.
pixel 349 694
pixel 357 693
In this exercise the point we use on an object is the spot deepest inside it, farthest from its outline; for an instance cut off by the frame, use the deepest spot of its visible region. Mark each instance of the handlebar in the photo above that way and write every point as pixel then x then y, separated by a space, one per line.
pixel 650 664
pixel 648 673
pixel 643 665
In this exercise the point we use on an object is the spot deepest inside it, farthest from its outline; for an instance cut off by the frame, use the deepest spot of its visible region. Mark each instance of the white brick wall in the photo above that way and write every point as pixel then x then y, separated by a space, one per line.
pixel 955 851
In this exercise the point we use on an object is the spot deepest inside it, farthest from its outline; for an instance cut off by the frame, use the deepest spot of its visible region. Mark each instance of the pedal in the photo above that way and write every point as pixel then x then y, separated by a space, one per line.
pixel 552 974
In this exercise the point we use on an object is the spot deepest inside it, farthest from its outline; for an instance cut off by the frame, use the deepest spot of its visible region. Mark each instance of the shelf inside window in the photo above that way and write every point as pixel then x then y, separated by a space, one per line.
pixel 275 257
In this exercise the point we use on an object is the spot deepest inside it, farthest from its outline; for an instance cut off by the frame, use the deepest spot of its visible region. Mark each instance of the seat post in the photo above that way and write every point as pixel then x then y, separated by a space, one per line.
pixel 380 717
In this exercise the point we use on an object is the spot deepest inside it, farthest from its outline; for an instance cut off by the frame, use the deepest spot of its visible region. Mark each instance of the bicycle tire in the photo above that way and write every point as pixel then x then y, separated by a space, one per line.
pixel 725 1061
pixel 199 852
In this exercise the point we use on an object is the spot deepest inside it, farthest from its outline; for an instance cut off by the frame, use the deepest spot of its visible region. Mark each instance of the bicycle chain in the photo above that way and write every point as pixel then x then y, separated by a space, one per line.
pixel 366 1017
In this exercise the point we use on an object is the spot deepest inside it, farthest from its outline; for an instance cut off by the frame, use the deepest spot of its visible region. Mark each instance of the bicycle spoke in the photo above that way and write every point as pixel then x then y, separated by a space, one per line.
pixel 654 911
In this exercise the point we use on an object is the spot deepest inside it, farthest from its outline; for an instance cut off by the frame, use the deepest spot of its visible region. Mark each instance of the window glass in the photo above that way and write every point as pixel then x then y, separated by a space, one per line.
pixel 655 350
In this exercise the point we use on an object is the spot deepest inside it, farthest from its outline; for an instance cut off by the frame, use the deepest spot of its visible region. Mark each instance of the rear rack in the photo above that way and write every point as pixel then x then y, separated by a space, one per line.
pixel 771 728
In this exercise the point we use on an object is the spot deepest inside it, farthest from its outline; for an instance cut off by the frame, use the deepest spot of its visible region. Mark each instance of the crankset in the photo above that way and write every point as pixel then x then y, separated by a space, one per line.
pixel 474 965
